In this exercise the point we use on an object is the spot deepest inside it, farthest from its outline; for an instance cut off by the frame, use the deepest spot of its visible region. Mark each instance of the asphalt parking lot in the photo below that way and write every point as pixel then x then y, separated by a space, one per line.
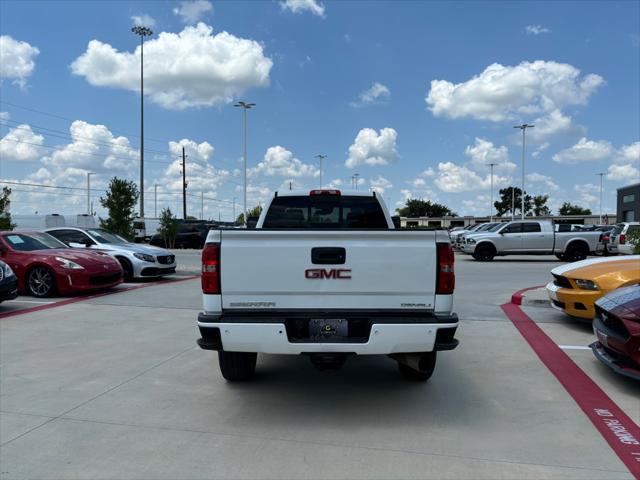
pixel 114 386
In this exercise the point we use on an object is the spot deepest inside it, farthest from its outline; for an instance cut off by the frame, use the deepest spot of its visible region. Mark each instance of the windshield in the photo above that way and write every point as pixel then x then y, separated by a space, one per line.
pixel 28 242
pixel 103 236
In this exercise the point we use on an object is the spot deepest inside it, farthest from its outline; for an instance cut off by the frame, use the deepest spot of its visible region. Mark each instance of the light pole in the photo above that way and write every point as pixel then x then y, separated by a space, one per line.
pixel 522 127
pixel 321 157
pixel 601 174
pixel 143 32
pixel 245 106
pixel 355 180
pixel 89 192
pixel 491 204
pixel 234 209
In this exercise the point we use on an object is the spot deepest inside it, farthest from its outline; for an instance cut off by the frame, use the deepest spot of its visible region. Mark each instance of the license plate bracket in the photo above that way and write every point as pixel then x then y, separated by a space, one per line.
pixel 323 329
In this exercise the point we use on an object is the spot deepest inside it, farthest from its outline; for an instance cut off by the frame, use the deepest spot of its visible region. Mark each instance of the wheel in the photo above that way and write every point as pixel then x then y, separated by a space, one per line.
pixel 237 366
pixel 576 252
pixel 427 363
pixel 561 256
pixel 484 253
pixel 41 282
pixel 127 269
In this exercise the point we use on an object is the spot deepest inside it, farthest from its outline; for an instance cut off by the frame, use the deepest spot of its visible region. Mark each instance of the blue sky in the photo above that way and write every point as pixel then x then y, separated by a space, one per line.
pixel 415 97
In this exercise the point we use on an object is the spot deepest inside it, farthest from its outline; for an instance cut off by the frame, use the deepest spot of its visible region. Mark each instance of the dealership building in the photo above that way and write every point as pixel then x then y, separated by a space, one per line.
pixel 628 207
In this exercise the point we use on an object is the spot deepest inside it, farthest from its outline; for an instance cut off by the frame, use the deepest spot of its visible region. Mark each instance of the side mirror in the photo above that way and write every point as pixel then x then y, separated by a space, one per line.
pixel 77 245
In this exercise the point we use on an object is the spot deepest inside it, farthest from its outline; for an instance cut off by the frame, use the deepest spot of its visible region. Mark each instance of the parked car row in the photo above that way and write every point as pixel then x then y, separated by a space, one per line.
pixel 69 260
pixel 534 237
pixel 607 292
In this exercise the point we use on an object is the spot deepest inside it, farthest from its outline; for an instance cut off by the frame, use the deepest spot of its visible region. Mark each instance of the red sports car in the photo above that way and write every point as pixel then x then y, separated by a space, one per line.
pixel 617 326
pixel 45 266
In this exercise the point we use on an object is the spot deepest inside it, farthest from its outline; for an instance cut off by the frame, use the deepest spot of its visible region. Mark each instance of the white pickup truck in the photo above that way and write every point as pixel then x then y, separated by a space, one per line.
pixel 531 237
pixel 326 274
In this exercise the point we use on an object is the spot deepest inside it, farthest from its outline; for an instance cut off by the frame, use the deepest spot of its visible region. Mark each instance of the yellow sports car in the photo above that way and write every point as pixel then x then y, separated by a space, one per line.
pixel 576 286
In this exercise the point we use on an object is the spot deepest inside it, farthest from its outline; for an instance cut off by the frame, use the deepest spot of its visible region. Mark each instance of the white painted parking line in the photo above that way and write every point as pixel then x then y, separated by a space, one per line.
pixel 31 301
pixel 574 347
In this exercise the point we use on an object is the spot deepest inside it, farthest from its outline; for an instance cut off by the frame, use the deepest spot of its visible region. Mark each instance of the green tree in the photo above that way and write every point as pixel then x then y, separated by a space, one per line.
pixel 540 208
pixel 168 228
pixel 633 237
pixel 503 206
pixel 570 209
pixel 5 215
pixel 254 212
pixel 120 201
pixel 415 207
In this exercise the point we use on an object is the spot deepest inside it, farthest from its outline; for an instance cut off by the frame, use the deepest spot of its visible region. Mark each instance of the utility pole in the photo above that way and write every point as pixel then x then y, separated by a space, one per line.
pixel 184 185
pixel 245 106
pixel 89 192
pixel 321 158
pixel 290 185
pixel 234 209
pixel 523 127
pixel 355 180
pixel 491 204
pixel 202 205
pixel 601 174
pixel 155 200
pixel 143 32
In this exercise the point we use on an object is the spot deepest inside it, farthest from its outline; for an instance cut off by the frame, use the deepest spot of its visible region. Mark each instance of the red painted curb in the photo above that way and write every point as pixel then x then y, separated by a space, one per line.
pixel 89 297
pixel 621 432
pixel 516 298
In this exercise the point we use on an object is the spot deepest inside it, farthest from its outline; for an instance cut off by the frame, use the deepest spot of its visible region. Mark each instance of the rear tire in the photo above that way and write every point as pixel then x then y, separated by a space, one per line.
pixel 237 366
pixel 561 256
pixel 576 252
pixel 484 253
pixel 429 364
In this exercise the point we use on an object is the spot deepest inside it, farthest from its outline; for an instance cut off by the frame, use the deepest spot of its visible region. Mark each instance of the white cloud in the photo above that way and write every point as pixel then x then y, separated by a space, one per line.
pixel 256 195
pixel 278 161
pixel 143 20
pixel 585 151
pixel 588 195
pixel 17 60
pixel 544 180
pixel 536 29
pixel 191 12
pixel 372 148
pixel 93 148
pixel 300 6
pixel 4 116
pixel 378 93
pixel 484 152
pixel 21 144
pixel 553 124
pixel 629 153
pixel 541 148
pixel 380 184
pixel 503 92
pixel 454 178
pixel 193 68
pixel 195 151
pixel 623 171
pixel 200 177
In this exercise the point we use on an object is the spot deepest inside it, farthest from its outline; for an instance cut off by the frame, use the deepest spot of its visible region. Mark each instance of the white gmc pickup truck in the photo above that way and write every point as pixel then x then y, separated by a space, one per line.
pixel 326 274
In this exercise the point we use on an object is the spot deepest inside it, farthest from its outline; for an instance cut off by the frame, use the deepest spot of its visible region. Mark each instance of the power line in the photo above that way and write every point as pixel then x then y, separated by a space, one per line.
pixel 70 119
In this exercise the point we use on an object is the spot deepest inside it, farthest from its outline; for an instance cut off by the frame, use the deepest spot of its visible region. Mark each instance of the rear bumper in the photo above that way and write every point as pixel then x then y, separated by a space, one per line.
pixel 387 335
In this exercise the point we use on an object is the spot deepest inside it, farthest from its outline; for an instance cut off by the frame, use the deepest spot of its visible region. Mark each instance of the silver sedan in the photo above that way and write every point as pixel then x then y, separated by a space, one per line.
pixel 138 261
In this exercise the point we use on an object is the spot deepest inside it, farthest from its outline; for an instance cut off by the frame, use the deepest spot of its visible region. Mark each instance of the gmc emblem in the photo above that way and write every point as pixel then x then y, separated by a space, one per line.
pixel 334 273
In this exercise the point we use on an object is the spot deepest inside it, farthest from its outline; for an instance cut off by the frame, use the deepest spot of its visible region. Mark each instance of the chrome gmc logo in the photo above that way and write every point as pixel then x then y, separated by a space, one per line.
pixel 334 273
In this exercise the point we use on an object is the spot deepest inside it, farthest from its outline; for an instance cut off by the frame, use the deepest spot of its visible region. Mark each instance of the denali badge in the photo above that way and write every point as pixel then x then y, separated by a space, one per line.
pixel 334 273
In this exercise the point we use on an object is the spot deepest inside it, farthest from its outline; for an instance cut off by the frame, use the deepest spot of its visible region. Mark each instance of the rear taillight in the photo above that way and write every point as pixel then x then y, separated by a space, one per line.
pixel 446 278
pixel 211 268
pixel 622 239
pixel 325 192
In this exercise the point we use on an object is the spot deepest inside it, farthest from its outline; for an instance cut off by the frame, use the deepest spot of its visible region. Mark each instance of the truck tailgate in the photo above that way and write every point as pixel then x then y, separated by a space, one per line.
pixel 274 269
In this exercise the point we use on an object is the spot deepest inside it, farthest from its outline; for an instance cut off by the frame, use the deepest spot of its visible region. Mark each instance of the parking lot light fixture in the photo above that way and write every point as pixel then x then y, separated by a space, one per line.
pixel 245 106
pixel 601 174
pixel 321 158
pixel 491 165
pixel 523 127
pixel 142 32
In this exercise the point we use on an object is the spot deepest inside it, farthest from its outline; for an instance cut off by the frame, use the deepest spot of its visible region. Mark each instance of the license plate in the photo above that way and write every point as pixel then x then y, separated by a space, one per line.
pixel 604 339
pixel 327 328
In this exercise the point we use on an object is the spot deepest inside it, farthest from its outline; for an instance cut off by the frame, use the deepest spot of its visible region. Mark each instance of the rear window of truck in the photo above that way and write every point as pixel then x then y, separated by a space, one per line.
pixel 325 211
